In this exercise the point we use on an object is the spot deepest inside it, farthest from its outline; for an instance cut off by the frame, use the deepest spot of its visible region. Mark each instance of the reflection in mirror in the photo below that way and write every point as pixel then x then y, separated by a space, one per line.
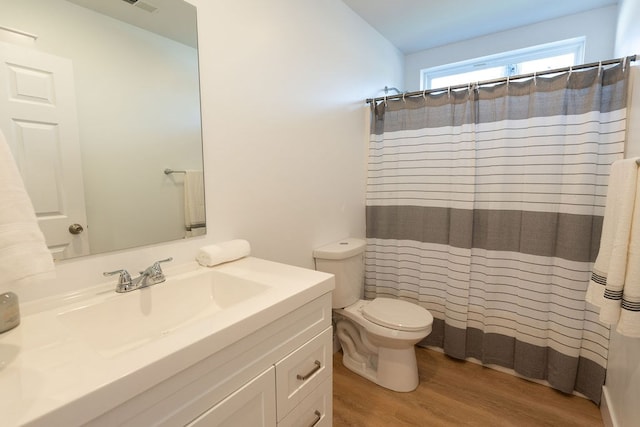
pixel 97 99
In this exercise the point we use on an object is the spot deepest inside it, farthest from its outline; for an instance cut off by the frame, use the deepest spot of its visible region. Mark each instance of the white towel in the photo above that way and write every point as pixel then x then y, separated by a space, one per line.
pixel 211 255
pixel 24 256
pixel 616 273
pixel 629 323
pixel 194 213
pixel 610 266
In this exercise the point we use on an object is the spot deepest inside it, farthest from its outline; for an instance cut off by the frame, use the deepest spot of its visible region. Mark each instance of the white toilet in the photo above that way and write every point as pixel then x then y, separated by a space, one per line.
pixel 377 336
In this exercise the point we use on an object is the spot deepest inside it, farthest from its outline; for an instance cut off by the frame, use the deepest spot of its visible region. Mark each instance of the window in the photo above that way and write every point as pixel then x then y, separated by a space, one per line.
pixel 523 61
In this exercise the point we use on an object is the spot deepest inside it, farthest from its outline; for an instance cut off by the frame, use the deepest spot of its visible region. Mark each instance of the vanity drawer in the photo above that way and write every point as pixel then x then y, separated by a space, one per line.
pixel 315 410
pixel 302 371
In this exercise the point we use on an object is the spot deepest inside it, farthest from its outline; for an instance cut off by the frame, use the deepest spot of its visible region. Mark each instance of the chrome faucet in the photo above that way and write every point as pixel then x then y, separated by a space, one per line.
pixel 151 276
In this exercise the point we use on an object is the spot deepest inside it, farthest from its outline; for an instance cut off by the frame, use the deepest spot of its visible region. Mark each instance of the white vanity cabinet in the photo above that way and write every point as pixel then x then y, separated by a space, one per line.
pixel 299 376
pixel 301 396
pixel 253 405
pixel 279 375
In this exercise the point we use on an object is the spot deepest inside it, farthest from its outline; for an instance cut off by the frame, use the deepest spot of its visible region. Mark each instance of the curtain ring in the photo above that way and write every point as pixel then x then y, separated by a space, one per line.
pixel 403 94
pixel 535 78
pixel 449 92
pixel 385 100
pixel 424 94
pixel 599 67
pixel 469 88
pixel 570 71
pixel 508 78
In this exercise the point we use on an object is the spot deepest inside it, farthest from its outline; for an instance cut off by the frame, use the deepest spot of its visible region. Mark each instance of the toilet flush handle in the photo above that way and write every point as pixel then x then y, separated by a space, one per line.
pixel 311 372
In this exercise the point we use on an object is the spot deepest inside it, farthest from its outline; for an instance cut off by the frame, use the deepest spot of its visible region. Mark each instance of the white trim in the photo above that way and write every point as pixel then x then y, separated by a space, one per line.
pixel 574 45
pixel 606 410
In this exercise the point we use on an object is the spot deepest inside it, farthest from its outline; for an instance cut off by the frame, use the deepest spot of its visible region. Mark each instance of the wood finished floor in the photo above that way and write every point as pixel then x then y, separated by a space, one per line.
pixel 455 393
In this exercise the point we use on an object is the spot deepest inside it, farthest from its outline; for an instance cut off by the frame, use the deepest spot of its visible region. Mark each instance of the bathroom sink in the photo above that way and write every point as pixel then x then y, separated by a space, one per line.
pixel 78 355
pixel 116 323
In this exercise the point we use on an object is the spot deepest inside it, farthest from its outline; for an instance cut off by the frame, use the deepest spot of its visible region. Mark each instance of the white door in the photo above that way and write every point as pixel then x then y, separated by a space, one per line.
pixel 39 119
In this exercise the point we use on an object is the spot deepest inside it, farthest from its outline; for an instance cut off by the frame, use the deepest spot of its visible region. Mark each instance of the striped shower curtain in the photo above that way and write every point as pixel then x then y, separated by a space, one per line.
pixel 485 206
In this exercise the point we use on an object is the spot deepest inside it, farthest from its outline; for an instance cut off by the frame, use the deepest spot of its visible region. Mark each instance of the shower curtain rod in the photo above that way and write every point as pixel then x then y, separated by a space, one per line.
pixel 502 79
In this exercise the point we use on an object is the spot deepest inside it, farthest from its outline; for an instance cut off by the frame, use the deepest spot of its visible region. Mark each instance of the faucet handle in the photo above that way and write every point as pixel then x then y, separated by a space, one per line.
pixel 163 260
pixel 155 271
pixel 124 280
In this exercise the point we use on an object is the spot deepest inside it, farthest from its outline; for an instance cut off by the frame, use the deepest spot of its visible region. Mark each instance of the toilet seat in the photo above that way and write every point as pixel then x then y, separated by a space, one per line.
pixel 397 314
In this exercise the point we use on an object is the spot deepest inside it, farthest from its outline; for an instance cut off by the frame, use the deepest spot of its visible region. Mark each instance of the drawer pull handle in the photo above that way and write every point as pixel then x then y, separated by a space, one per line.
pixel 313 371
pixel 317 420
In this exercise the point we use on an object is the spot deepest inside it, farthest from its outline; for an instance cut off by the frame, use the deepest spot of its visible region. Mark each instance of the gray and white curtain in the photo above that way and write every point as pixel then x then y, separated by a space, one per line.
pixel 485 206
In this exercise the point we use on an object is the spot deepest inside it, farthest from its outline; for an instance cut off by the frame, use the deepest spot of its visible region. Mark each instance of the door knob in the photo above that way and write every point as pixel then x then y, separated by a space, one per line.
pixel 75 229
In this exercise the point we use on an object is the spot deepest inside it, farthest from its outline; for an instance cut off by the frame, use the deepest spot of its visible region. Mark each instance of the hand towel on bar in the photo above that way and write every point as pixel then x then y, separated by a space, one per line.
pixel 629 323
pixel 24 256
pixel 610 271
pixel 610 264
pixel 232 250
pixel 194 214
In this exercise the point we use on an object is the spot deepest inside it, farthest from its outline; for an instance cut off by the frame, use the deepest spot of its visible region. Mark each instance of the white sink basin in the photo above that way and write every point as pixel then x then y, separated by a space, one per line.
pixel 120 322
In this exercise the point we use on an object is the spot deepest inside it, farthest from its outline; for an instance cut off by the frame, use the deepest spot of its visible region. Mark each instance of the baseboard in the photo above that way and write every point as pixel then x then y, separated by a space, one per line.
pixel 606 409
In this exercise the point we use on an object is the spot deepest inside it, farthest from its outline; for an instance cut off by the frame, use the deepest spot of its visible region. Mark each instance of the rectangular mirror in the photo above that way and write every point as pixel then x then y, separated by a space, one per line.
pixel 98 98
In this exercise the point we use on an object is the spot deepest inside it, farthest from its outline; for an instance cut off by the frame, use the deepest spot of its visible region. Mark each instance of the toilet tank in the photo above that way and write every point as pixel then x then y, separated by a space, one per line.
pixel 345 260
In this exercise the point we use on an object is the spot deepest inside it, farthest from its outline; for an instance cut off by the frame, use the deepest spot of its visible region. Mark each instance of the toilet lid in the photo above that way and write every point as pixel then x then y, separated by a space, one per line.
pixel 397 314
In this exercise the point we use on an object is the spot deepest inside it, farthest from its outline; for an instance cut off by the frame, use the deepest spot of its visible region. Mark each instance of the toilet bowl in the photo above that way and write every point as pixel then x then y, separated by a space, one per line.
pixel 380 347
pixel 377 336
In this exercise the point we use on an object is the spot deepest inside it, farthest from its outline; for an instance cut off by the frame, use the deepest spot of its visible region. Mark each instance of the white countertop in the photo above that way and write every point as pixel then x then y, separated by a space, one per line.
pixel 51 376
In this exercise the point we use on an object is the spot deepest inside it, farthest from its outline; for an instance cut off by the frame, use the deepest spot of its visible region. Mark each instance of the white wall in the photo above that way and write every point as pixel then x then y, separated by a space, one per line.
pixel 628 28
pixel 283 89
pixel 622 388
pixel 598 25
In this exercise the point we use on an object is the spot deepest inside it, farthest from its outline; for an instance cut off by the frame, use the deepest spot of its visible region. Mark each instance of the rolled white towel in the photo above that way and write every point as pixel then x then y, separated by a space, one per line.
pixel 211 255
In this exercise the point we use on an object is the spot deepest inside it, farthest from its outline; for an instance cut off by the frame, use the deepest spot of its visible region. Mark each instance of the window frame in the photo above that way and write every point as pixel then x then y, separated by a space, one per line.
pixel 508 60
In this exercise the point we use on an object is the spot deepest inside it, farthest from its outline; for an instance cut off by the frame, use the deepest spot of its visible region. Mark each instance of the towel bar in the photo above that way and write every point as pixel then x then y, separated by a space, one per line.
pixel 170 171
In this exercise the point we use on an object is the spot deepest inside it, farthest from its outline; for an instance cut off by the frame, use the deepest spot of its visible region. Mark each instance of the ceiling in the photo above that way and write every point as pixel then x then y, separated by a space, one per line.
pixel 174 19
pixel 411 25
pixel 415 25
